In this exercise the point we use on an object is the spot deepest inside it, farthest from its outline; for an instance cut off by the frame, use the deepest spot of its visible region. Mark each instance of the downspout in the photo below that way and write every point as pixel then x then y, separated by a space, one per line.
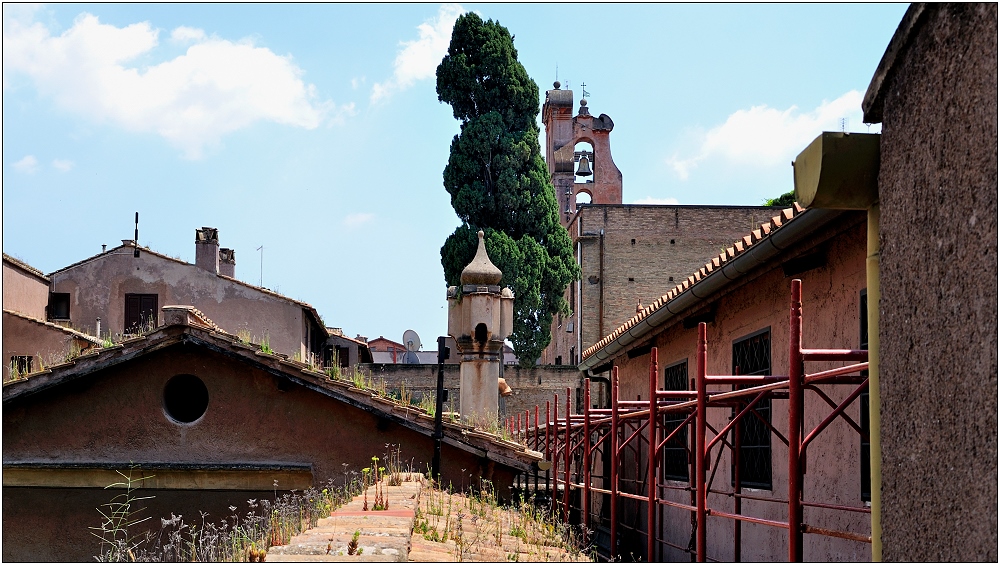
pixel 874 400
pixel 579 286
pixel 600 280
pixel 840 171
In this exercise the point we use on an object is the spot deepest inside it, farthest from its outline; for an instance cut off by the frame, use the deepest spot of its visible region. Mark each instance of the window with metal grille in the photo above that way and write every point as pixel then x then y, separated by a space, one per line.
pixel 675 453
pixel 20 365
pixel 140 312
pixel 866 460
pixel 752 356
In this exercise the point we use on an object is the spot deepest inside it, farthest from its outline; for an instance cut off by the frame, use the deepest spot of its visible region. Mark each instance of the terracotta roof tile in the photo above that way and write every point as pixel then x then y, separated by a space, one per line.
pixel 84 364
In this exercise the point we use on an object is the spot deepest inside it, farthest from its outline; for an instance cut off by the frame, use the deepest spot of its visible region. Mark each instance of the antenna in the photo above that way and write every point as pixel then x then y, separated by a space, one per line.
pixel 261 249
pixel 135 242
pixel 844 123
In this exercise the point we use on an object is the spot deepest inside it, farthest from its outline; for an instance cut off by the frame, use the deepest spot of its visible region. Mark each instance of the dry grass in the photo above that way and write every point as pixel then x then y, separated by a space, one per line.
pixel 476 527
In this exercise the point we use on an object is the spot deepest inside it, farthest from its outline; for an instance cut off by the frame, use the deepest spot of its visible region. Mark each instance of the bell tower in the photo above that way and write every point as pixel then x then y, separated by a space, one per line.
pixel 575 168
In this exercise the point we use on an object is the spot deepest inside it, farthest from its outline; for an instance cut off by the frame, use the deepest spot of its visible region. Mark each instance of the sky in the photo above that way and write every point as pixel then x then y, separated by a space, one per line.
pixel 314 130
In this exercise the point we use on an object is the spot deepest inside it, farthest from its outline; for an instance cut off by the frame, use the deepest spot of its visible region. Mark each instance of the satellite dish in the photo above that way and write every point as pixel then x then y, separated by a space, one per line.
pixel 412 342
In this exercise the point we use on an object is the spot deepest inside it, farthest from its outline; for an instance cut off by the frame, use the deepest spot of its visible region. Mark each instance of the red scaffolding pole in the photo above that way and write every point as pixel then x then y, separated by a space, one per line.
pixel 631 425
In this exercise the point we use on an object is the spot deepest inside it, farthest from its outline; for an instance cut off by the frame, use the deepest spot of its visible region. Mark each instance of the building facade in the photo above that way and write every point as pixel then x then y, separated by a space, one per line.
pixel 126 286
pixel 746 311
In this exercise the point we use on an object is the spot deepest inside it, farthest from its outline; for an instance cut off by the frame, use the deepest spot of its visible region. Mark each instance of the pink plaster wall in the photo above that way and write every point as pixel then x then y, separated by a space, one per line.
pixel 24 292
pixel 831 297
pixel 45 344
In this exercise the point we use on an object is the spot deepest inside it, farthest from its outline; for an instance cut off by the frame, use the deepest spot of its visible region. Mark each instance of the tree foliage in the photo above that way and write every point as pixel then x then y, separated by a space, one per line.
pixel 498 180
pixel 786 199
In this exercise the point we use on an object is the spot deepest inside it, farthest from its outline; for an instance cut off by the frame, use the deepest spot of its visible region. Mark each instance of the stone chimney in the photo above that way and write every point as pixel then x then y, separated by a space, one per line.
pixel 479 319
pixel 206 249
pixel 227 262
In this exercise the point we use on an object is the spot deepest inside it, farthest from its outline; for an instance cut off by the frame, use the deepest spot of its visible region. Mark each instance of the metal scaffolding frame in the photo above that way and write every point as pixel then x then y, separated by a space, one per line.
pixel 571 442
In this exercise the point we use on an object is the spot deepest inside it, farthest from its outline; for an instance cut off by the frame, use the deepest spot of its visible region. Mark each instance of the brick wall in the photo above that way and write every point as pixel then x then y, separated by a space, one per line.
pixel 531 386
pixel 647 250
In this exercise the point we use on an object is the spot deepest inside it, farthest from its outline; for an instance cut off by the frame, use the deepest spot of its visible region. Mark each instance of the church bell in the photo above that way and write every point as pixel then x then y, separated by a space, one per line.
pixel 584 169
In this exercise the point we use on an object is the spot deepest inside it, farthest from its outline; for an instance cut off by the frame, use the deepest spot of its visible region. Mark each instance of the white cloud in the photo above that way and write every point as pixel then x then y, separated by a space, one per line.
pixel 358 219
pixel 765 137
pixel 184 34
pixel 651 200
pixel 27 165
pixel 215 88
pixel 358 81
pixel 419 59
pixel 63 165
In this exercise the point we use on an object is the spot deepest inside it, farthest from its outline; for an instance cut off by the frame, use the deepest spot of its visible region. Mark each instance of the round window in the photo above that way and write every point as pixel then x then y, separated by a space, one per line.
pixel 185 398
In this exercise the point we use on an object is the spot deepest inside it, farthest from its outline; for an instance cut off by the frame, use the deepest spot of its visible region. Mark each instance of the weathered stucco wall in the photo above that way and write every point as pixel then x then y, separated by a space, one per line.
pixel 831 296
pixel 97 289
pixel 117 416
pixel 938 327
pixel 24 292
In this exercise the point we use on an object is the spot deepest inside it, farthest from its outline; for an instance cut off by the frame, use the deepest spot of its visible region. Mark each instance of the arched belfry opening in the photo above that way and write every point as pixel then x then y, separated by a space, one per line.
pixel 583 163
pixel 578 153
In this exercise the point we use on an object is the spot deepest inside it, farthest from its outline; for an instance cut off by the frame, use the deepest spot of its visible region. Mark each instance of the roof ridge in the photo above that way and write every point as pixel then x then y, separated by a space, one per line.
pixel 19 263
pixel 738 248
pixel 316 379
pixel 116 248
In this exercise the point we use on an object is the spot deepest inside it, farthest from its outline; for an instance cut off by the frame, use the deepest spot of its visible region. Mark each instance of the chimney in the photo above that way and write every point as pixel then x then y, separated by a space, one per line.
pixel 227 262
pixel 206 249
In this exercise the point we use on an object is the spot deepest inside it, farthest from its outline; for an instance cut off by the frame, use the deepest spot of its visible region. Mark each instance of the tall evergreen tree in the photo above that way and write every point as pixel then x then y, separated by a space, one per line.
pixel 498 180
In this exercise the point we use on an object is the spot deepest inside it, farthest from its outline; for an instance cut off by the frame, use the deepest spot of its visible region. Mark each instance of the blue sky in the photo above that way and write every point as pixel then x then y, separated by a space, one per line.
pixel 315 131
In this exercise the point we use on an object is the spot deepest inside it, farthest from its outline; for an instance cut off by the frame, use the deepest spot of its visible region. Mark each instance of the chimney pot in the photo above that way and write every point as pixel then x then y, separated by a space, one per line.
pixel 227 262
pixel 206 249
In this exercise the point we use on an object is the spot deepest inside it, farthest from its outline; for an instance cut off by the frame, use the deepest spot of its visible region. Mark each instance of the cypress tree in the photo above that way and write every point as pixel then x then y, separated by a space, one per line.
pixel 499 182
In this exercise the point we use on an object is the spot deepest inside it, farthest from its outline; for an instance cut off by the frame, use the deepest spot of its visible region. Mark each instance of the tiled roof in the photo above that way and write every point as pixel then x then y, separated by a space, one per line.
pixel 476 441
pixel 341 335
pixel 24 266
pixel 64 329
pixel 738 248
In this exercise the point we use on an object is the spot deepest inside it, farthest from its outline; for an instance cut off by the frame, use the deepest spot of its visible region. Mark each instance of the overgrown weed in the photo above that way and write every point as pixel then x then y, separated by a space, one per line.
pixel 240 537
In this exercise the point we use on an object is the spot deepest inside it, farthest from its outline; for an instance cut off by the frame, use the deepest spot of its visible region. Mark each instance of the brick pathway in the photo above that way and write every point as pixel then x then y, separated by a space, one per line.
pixel 385 535
pixel 482 533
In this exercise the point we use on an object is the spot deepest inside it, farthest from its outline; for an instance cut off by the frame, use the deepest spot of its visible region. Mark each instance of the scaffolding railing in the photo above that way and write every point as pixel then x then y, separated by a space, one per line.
pixel 571 444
